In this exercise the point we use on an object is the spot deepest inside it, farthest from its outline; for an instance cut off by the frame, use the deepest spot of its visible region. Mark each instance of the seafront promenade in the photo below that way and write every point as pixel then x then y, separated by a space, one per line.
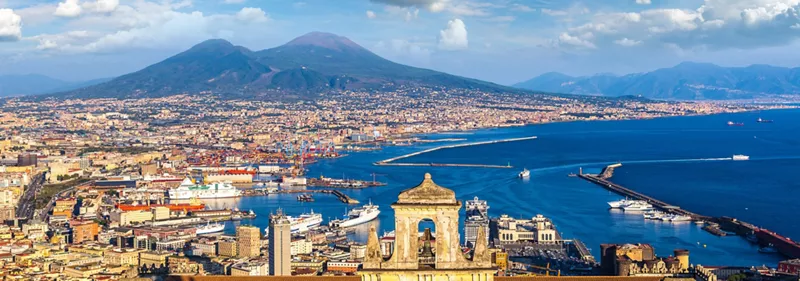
pixel 390 161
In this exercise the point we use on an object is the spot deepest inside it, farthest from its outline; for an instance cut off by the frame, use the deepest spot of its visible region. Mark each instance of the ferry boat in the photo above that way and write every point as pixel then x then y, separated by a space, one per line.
pixel 357 216
pixel 638 206
pixel 209 228
pixel 619 203
pixel 188 190
pixel 525 174
pixel 304 222
pixel 731 123
pixel 739 157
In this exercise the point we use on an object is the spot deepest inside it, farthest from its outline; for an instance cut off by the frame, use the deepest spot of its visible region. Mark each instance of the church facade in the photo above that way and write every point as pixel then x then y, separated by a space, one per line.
pixel 427 201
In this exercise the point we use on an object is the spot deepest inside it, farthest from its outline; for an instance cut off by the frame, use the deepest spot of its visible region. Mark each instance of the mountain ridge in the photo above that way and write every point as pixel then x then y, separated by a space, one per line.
pixel 309 64
pixel 685 81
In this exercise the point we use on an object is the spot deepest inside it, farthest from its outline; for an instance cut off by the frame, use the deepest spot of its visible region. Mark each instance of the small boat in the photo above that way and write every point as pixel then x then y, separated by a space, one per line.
pixel 763 120
pixel 740 157
pixel 679 218
pixel 768 249
pixel 654 215
pixel 525 174
pixel 735 124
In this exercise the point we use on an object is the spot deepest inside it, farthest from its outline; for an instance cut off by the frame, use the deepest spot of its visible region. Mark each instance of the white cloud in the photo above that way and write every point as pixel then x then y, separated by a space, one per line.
pixel 404 50
pixel 627 42
pixel 148 25
pixel 454 36
pixel 431 5
pixel 554 13
pixel 233 1
pixel 643 2
pixel 795 26
pixel 68 9
pixel 575 41
pixel 101 6
pixel 522 8
pixel 10 25
pixel 714 24
pixel 371 15
pixel 249 14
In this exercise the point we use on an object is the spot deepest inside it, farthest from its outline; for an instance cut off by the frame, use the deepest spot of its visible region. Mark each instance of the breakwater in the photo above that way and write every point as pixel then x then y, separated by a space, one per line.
pixel 339 195
pixel 390 161
pixel 715 225
pixel 621 190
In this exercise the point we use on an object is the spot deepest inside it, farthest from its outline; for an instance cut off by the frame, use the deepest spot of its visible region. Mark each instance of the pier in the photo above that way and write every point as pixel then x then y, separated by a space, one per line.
pixel 341 196
pixel 602 180
pixel 389 162
pixel 721 226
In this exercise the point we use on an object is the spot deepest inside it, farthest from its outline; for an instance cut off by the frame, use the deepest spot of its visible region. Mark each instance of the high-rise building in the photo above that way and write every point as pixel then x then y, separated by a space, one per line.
pixel 477 217
pixel 248 241
pixel 280 239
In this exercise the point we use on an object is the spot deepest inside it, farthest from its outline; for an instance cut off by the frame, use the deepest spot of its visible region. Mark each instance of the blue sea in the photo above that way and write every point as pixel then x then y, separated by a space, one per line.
pixel 673 159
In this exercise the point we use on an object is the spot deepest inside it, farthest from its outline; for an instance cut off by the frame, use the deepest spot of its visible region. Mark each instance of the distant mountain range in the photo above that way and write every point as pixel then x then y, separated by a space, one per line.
pixel 309 64
pixel 686 81
pixel 31 84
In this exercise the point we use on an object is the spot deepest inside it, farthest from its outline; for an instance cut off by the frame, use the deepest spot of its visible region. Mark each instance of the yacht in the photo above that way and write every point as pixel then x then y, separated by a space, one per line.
pixel 638 206
pixel 654 215
pixel 676 218
pixel 619 203
pixel 525 174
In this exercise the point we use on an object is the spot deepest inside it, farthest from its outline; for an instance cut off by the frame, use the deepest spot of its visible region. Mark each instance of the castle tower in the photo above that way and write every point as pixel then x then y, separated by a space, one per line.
pixel 683 258
pixel 426 201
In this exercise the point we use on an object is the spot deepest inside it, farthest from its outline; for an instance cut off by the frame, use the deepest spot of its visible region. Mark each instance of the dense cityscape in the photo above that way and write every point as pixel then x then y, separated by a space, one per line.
pixel 115 189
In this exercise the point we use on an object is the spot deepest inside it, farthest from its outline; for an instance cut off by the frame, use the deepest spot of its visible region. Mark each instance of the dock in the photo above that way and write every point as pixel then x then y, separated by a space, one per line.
pixel 341 196
pixel 389 162
pixel 602 180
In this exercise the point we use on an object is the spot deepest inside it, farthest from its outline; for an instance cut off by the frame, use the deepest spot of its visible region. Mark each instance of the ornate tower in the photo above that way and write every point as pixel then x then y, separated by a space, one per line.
pixel 426 201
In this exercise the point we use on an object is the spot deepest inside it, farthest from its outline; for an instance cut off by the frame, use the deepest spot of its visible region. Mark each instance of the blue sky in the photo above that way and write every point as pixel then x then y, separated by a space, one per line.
pixel 503 41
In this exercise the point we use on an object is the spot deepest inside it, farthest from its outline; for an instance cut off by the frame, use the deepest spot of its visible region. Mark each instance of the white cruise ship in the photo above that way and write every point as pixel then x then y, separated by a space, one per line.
pixel 188 190
pixel 357 216
pixel 305 222
pixel 209 228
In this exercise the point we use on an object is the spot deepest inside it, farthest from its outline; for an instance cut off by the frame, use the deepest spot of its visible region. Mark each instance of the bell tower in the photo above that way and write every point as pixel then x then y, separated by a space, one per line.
pixel 438 204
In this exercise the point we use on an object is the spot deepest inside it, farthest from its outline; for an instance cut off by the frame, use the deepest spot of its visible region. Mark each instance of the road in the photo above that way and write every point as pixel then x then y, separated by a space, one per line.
pixel 26 201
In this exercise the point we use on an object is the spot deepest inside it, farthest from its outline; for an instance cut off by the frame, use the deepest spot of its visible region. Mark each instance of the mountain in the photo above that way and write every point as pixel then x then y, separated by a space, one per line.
pixel 685 81
pixel 31 84
pixel 308 64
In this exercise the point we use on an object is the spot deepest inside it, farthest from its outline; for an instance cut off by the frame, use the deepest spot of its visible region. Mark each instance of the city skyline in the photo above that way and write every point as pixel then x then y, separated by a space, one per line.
pixel 498 41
